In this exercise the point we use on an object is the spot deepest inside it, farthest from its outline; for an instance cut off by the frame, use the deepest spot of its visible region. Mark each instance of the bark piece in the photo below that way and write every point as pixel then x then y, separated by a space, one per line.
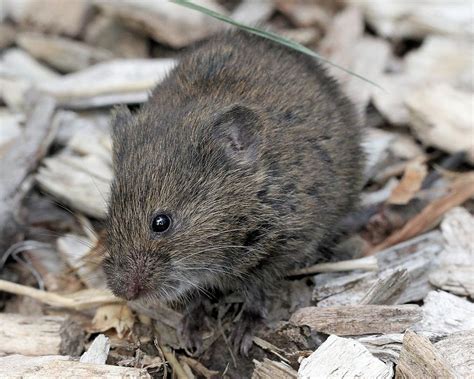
pixel 165 22
pixel 420 359
pixel 18 163
pixel 34 335
pixel 59 366
pixel 343 358
pixel 358 319
pixel 444 313
pixel 108 83
pixel 269 369
pixel 418 256
pixel 458 350
pixel 64 54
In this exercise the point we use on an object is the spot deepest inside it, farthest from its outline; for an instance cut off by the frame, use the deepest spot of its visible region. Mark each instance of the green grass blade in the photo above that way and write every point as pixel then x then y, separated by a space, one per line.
pixel 269 35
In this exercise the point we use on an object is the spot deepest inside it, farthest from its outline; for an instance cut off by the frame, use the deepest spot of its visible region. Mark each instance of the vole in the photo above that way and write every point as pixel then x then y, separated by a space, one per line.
pixel 235 171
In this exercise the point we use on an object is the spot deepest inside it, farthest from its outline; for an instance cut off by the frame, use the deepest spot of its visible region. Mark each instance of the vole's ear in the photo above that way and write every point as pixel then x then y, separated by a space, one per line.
pixel 238 127
pixel 120 120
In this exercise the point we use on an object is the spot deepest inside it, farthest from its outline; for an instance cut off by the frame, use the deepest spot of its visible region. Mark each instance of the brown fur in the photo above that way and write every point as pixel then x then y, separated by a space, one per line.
pixel 254 152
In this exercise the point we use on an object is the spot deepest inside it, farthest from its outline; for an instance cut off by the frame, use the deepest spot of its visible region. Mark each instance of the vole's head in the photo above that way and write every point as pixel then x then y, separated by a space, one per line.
pixel 183 212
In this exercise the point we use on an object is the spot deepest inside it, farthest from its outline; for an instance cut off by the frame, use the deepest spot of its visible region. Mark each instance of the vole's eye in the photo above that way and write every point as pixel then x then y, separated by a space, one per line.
pixel 161 223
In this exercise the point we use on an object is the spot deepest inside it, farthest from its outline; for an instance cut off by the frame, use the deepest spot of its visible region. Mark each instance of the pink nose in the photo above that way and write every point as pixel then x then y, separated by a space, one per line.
pixel 133 291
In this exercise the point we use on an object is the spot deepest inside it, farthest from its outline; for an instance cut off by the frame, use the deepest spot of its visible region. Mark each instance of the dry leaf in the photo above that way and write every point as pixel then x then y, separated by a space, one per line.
pixel 114 316
pixel 410 184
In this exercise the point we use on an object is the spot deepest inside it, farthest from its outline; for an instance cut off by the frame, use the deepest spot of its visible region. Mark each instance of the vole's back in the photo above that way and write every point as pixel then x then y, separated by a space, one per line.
pixel 252 151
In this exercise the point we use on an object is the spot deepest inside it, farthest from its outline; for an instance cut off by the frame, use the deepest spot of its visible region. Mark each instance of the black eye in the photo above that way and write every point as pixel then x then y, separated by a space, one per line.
pixel 161 223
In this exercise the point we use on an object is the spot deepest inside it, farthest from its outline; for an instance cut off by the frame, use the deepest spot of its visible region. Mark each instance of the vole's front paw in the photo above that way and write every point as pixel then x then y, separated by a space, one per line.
pixel 190 330
pixel 244 331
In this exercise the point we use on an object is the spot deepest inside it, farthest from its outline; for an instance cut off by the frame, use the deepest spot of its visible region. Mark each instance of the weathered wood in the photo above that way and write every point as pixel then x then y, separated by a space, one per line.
pixel 358 319
pixel 444 313
pixel 18 162
pixel 456 273
pixel 269 369
pixel 418 256
pixel 441 116
pixel 420 359
pixel 386 347
pixel 38 335
pixel 458 350
pixel 59 366
pixel 98 351
pixel 343 358
pixel 387 290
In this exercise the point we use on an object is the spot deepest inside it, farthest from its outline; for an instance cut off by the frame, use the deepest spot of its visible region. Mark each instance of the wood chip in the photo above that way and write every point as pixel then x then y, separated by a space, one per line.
pixel 415 20
pixel 37 335
pixel 358 319
pixel 253 12
pixel 436 61
pixel 53 16
pixel 63 54
pixel 110 34
pixel 418 256
pixel 387 291
pixel 343 358
pixel 165 22
pixel 18 163
pixel 441 116
pixel 420 359
pixel 114 82
pixel 386 347
pixel 458 350
pixel 444 313
pixel 269 369
pixel 58 366
pixel 97 352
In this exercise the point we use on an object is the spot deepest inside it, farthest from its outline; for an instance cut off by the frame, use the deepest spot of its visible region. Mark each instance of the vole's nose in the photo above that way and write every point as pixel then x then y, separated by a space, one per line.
pixel 133 290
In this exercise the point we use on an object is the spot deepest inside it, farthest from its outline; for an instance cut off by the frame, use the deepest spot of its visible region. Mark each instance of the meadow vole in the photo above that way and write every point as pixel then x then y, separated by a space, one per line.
pixel 241 163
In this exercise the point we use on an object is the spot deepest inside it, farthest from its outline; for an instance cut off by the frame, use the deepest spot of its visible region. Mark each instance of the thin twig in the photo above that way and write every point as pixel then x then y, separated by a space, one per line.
pixel 78 300
pixel 367 264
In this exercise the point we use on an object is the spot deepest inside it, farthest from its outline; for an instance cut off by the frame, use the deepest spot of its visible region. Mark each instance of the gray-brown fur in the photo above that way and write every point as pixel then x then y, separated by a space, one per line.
pixel 256 155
